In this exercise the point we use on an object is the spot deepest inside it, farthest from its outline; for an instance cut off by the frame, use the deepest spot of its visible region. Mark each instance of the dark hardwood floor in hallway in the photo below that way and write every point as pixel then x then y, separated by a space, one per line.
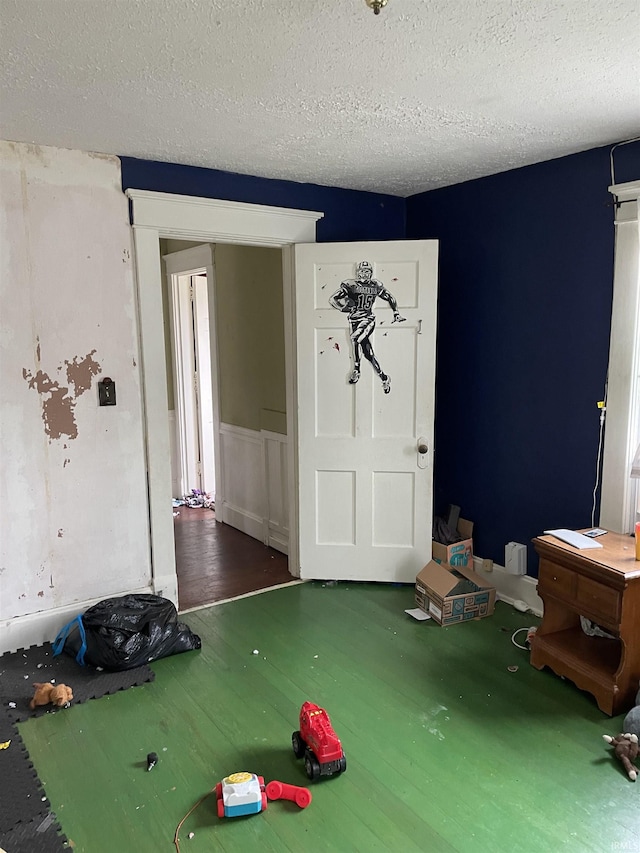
pixel 216 562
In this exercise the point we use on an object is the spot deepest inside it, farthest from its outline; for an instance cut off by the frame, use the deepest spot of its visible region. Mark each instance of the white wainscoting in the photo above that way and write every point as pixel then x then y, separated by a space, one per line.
pixel 253 497
pixel 276 525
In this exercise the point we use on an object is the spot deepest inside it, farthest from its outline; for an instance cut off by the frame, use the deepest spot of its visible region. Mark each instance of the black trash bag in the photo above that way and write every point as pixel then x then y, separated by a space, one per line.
pixel 126 632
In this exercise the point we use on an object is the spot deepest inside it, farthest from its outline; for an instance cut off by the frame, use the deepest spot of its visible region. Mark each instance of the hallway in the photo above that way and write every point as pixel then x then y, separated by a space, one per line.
pixel 216 562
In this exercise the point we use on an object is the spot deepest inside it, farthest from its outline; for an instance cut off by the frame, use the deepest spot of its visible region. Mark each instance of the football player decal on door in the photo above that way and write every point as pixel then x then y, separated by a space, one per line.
pixel 356 297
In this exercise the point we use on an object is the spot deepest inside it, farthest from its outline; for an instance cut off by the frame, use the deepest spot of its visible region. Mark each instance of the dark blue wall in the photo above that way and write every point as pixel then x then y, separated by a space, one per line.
pixel 348 214
pixel 525 291
pixel 526 266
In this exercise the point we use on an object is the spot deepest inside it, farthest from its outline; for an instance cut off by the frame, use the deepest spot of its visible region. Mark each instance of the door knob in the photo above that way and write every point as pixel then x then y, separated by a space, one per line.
pixel 423 449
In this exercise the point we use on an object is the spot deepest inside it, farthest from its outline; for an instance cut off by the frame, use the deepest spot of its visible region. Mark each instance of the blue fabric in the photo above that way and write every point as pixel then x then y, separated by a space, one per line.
pixel 58 643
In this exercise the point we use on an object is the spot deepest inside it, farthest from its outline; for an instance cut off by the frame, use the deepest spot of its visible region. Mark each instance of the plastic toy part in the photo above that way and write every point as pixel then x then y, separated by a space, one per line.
pixel 318 743
pixel 240 794
pixel 281 791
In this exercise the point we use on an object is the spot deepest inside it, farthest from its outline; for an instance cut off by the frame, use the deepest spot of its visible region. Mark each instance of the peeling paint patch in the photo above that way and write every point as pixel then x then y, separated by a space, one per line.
pixel 58 401
pixel 80 373
pixel 57 414
pixel 41 594
pixel 41 382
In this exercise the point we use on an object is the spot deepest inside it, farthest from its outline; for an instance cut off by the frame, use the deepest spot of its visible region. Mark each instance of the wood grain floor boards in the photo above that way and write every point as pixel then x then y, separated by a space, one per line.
pixel 447 750
pixel 214 561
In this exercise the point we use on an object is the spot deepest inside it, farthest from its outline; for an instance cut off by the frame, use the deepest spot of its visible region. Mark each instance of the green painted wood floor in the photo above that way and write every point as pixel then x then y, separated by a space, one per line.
pixel 447 749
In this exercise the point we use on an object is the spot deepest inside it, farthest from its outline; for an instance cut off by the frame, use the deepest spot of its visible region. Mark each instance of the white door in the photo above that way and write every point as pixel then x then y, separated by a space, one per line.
pixel 365 437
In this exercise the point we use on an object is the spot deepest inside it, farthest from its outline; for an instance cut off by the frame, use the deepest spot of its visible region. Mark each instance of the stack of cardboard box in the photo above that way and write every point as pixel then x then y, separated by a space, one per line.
pixel 448 589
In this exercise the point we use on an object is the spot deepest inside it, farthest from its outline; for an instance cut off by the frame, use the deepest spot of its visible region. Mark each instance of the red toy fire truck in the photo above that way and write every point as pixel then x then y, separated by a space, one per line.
pixel 318 743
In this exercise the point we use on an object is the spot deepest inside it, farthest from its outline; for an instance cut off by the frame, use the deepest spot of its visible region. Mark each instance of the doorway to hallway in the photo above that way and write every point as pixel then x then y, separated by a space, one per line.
pixel 217 562
pixel 216 489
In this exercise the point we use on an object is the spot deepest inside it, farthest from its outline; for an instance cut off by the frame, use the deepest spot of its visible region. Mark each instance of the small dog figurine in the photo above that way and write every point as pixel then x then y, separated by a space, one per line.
pixel 627 750
pixel 48 693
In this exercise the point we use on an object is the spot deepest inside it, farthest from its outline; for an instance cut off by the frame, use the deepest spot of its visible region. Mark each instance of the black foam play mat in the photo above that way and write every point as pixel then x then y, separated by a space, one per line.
pixel 27 824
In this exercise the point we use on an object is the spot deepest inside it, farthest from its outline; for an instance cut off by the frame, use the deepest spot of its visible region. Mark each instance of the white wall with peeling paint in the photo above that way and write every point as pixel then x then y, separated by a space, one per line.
pixel 73 504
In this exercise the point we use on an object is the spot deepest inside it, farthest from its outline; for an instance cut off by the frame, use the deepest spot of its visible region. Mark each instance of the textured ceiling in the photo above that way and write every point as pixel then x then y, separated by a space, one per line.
pixel 425 94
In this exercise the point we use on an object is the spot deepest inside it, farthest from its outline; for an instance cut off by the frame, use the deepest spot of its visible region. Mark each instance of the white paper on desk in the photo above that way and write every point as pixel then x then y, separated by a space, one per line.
pixel 418 614
pixel 572 537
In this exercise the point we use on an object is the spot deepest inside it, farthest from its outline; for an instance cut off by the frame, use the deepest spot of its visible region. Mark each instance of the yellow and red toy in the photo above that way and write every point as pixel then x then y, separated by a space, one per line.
pixel 240 794
pixel 245 793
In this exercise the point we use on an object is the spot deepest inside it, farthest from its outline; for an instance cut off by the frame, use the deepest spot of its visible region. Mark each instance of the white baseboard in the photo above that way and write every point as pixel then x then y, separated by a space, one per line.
pixel 242 520
pixel 278 542
pixel 34 629
pixel 517 590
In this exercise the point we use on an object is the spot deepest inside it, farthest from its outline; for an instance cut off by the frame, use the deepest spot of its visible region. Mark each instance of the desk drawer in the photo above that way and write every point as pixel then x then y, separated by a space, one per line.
pixel 557 580
pixel 598 600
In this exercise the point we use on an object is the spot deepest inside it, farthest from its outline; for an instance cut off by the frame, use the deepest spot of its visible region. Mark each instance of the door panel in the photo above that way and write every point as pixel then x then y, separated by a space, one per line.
pixel 365 494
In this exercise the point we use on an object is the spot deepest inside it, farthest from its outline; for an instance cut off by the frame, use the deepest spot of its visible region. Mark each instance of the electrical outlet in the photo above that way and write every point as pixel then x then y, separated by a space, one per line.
pixel 487 565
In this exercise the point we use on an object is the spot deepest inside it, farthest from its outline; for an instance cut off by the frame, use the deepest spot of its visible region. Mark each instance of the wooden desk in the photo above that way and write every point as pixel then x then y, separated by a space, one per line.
pixel 603 585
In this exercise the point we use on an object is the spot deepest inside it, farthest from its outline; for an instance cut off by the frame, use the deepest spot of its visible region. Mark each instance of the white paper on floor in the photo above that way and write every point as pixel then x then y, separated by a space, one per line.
pixel 418 614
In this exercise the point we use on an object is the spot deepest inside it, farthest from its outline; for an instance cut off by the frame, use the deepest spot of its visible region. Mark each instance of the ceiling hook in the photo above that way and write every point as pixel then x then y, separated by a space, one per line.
pixel 376 5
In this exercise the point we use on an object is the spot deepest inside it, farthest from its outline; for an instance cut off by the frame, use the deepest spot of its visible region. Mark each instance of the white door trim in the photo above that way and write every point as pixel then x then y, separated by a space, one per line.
pixel 163 215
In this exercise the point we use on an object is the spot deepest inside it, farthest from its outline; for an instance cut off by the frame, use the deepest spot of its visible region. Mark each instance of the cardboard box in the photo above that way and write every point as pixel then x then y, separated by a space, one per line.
pixel 460 554
pixel 451 595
